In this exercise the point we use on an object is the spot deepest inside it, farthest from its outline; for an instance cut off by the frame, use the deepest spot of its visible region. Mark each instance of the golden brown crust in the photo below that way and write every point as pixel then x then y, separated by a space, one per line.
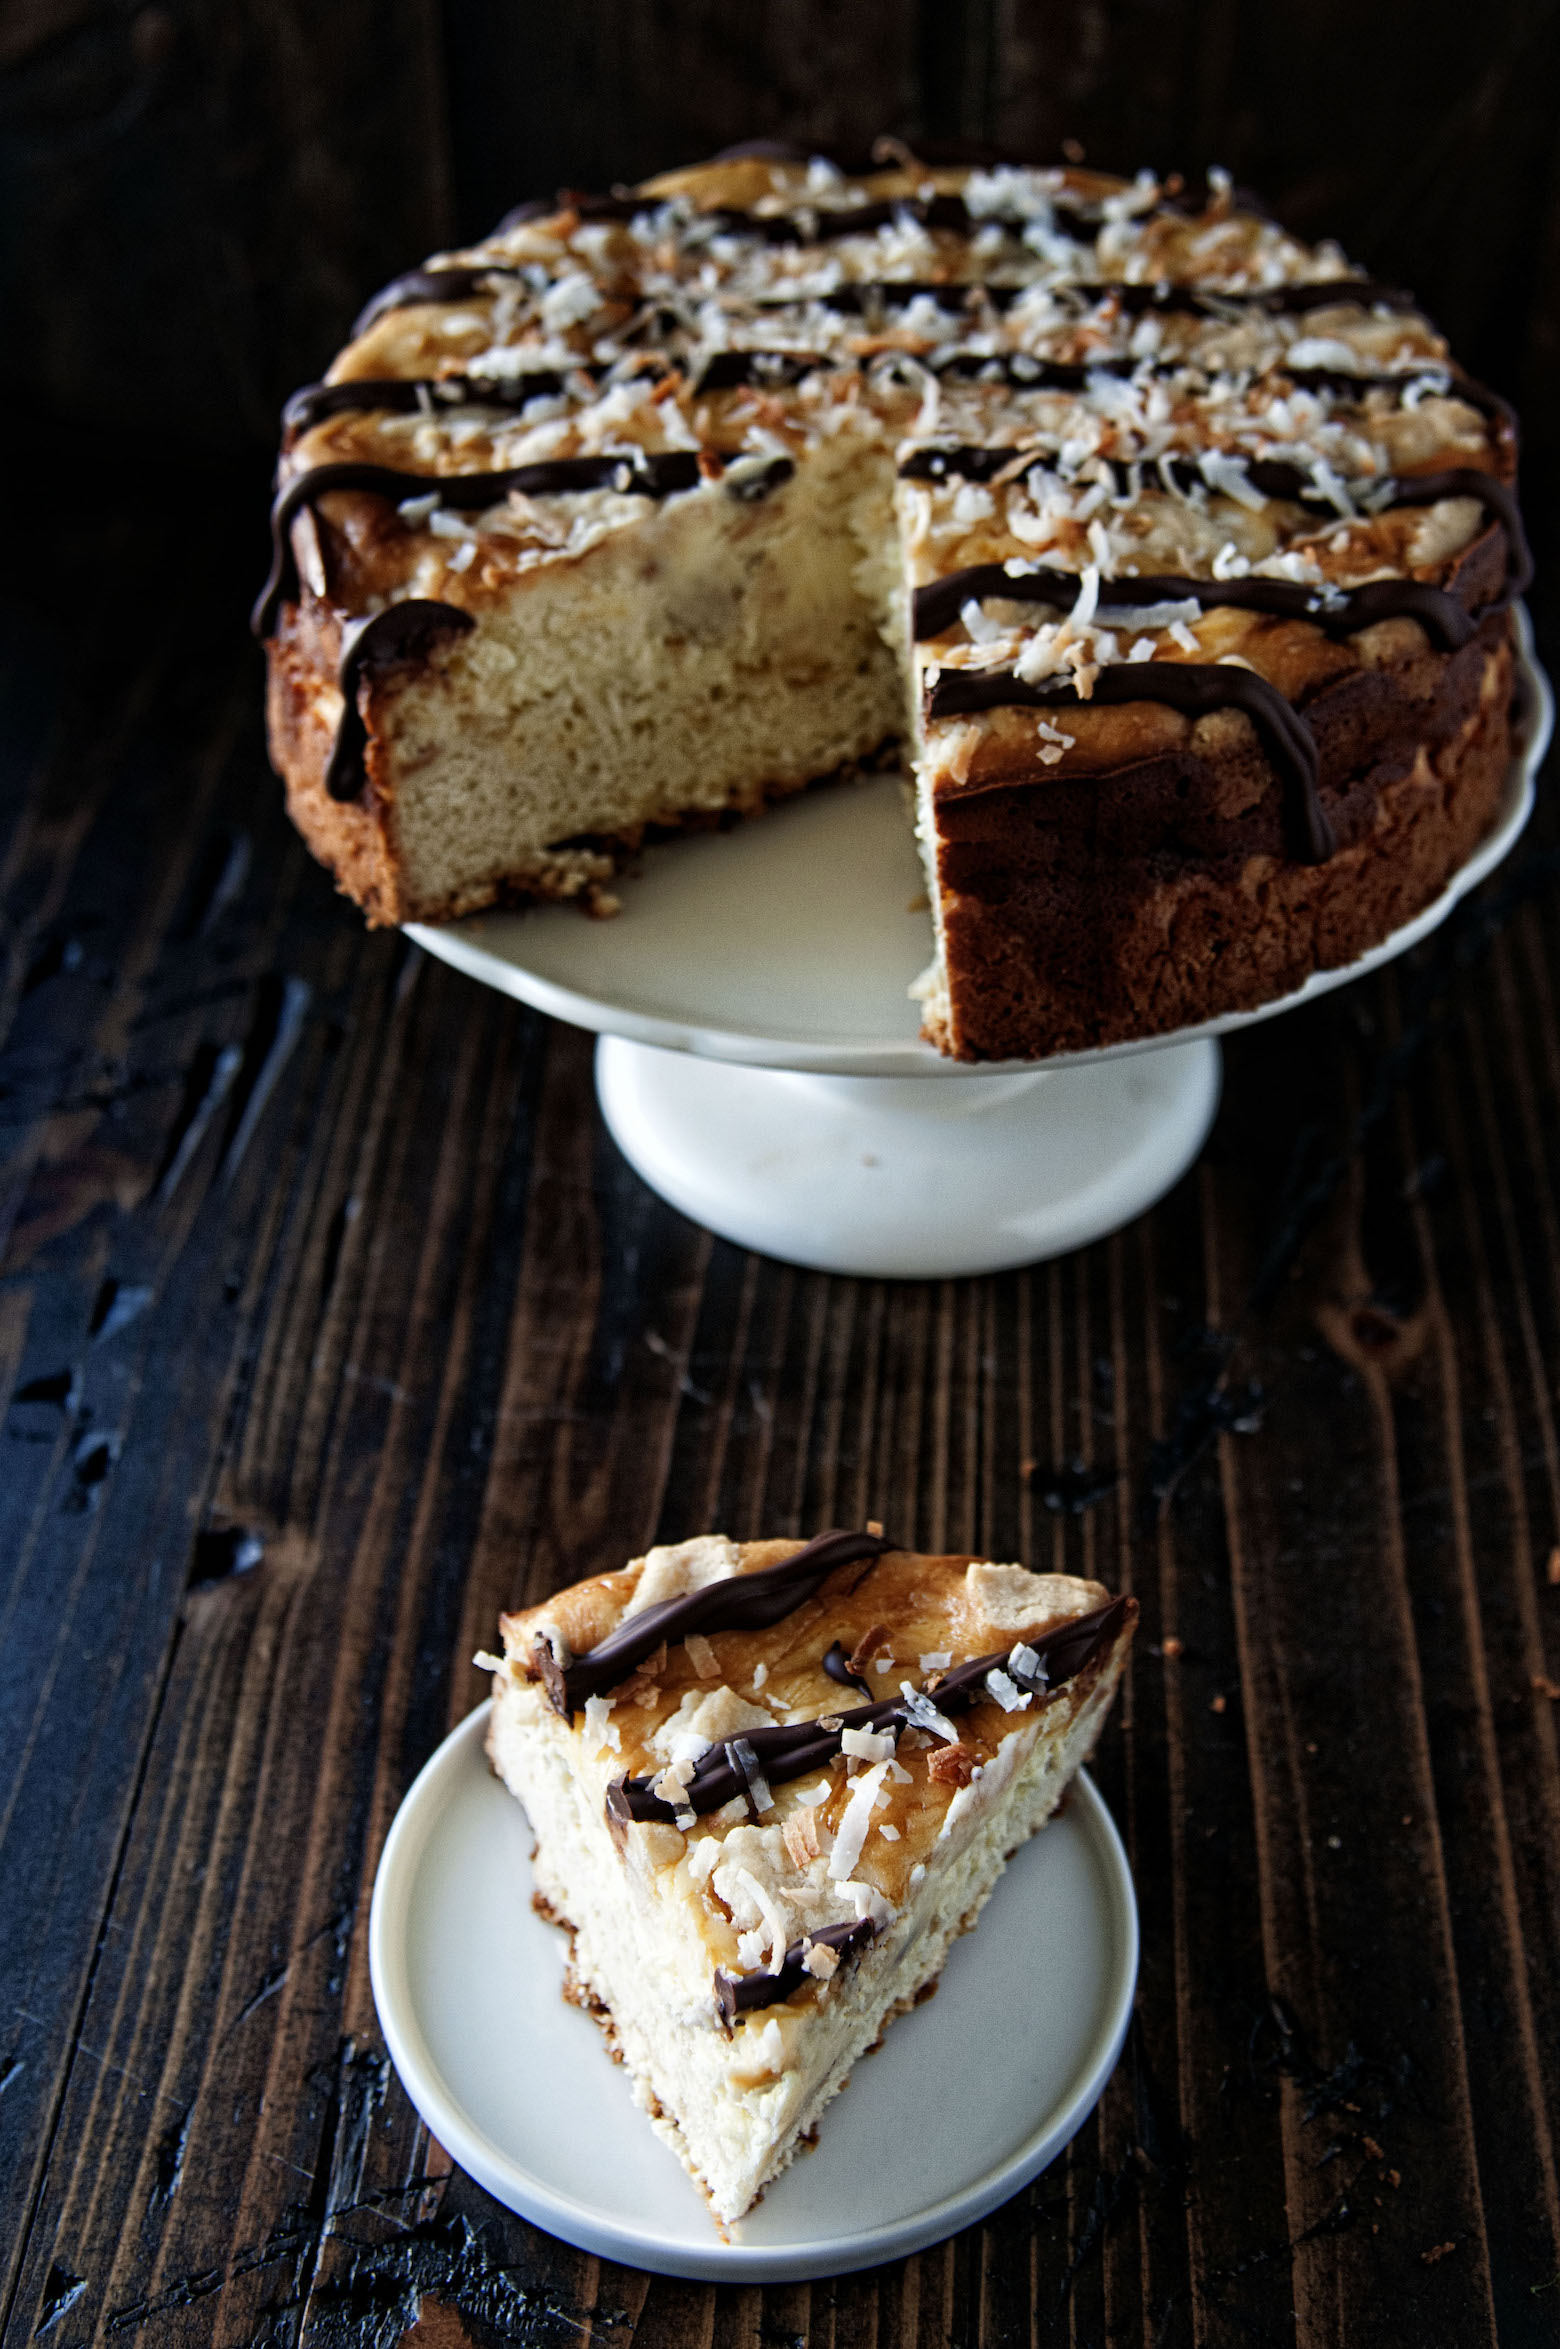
pixel 1156 894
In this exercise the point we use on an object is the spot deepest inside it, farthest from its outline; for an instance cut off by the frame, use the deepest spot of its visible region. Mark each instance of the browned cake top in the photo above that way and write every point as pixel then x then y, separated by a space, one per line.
pixel 763 1730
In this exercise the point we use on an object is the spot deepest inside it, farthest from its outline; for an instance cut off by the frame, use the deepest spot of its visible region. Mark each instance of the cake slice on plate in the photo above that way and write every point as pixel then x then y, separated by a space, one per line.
pixel 770 1782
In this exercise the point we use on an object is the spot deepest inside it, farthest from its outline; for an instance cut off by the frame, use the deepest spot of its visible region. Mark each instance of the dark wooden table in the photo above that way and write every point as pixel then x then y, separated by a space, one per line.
pixel 330 1323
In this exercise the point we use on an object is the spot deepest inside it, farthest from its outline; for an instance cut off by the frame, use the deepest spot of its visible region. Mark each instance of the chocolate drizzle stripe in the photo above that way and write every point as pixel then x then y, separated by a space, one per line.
pixel 405 632
pixel 1271 479
pixel 791 1749
pixel 637 476
pixel 837 1666
pixel 405 394
pixel 804 225
pixel 455 283
pixel 1497 497
pixel 742 1994
pixel 459 281
pixel 1193 687
pixel 1443 618
pixel 866 295
pixel 728 370
pixel 743 1602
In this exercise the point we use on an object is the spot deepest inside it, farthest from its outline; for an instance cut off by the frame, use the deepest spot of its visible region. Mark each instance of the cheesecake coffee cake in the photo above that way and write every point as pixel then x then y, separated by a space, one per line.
pixel 770 1782
pixel 1174 556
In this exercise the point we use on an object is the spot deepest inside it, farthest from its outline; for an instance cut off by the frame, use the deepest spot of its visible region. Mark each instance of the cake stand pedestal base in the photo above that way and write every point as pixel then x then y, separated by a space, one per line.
pixel 909 1178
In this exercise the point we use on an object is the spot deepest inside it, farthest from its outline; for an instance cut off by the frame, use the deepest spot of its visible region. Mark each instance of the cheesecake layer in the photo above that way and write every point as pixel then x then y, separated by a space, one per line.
pixel 743 1949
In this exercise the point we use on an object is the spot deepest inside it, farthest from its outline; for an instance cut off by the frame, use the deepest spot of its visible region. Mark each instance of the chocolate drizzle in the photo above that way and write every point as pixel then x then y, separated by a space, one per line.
pixel 458 281
pixel 1497 497
pixel 451 284
pixel 792 1748
pixel 1196 688
pixel 405 632
pixel 1269 477
pixel 804 224
pixel 741 1994
pixel 866 295
pixel 632 475
pixel 743 1602
pixel 403 395
pixel 837 1665
pixel 1338 612
pixel 1193 687
pixel 772 369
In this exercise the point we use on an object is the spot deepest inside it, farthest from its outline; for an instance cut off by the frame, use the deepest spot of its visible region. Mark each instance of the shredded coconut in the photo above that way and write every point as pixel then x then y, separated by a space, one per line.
pixel 702 1656
pixel 1008 1694
pixel 757 1784
pixel 868 1745
pixel 599 1731
pixel 855 1822
pixel 704 1856
pixel 925 1715
pixel 772 1916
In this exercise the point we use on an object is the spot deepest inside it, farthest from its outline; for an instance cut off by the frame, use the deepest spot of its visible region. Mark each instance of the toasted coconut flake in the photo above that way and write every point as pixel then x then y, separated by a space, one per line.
pixel 704 1858
pixel 702 1656
pixel 938 1661
pixel 820 1960
pixel 855 1823
pixel 757 1784
pixel 867 1745
pixel 1008 1694
pixel 953 1766
pixel 775 1923
pixel 868 1646
pixel 801 1837
pixel 600 1732
pixel 925 1715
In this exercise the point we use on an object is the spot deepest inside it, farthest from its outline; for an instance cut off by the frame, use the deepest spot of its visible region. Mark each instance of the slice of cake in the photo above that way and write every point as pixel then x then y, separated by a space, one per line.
pixel 770 1782
pixel 1175 555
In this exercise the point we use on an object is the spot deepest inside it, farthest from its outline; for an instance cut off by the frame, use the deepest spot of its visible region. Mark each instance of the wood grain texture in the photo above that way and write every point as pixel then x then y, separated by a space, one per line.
pixel 331 1323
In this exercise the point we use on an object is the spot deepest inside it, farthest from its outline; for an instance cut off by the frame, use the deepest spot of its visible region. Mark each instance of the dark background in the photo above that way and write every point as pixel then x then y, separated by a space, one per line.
pixel 195 197
pixel 331 1322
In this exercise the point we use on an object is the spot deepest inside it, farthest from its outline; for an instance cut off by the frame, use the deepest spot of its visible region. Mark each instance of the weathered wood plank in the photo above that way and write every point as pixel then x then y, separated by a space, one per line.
pixel 331 1324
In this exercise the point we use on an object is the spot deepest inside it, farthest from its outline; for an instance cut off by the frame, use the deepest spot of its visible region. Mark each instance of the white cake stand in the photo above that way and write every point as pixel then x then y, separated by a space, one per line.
pixel 760 1064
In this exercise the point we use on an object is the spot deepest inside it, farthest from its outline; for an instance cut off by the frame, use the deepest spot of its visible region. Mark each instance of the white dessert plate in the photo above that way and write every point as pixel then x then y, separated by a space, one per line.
pixel 968 2097
pixel 792 943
